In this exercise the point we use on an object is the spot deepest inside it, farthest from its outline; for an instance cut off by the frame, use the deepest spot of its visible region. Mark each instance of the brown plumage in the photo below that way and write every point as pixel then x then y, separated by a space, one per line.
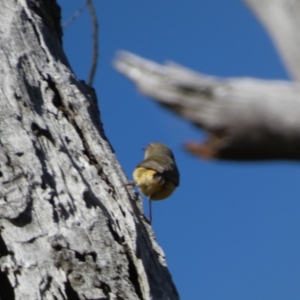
pixel 157 175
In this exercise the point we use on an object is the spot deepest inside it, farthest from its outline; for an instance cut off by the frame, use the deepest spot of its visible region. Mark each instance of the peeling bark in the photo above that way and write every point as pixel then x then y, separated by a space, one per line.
pixel 69 229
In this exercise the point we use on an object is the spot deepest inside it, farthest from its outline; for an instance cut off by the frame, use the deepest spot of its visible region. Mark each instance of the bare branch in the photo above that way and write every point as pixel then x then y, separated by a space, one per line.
pixel 75 16
pixel 282 20
pixel 95 42
pixel 246 119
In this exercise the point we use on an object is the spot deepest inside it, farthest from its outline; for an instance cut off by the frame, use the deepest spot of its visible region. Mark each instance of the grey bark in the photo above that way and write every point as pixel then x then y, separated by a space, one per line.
pixel 245 118
pixel 69 229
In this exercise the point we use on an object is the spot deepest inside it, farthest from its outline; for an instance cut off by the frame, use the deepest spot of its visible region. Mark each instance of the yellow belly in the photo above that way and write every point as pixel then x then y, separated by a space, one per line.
pixel 150 186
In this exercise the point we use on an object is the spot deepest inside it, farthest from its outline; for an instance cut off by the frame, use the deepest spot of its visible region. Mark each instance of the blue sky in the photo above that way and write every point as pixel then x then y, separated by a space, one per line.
pixel 231 230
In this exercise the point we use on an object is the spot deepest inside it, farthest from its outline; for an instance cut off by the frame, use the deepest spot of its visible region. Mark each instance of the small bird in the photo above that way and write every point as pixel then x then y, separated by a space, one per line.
pixel 157 175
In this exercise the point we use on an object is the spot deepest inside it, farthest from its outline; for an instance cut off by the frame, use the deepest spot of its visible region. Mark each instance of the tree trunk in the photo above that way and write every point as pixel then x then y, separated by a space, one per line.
pixel 69 227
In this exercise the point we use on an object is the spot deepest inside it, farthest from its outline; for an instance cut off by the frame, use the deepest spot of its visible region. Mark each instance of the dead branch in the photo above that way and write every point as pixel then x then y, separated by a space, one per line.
pixel 246 118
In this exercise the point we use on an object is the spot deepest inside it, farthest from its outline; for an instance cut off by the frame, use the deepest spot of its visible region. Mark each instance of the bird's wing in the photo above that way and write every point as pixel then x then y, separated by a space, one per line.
pixel 167 172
